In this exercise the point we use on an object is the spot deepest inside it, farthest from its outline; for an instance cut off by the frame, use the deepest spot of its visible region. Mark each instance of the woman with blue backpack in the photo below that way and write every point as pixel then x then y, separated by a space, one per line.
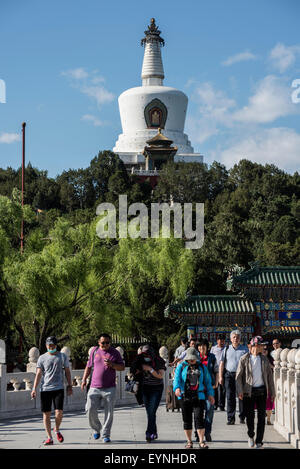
pixel 192 385
pixel 208 359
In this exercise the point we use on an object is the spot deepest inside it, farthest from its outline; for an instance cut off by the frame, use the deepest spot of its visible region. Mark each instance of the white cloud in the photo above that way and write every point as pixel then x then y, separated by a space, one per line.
pixel 283 57
pixel 9 138
pixel 279 146
pixel 93 119
pixel 99 93
pixel 241 57
pixel 98 79
pixel 90 85
pixel 271 100
pixel 214 110
pixel 76 74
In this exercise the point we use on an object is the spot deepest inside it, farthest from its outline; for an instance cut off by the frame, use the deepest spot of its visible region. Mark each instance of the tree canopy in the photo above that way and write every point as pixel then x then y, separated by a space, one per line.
pixel 70 282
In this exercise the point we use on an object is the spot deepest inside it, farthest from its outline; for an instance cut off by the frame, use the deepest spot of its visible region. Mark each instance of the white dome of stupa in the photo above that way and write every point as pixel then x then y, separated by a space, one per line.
pixel 145 109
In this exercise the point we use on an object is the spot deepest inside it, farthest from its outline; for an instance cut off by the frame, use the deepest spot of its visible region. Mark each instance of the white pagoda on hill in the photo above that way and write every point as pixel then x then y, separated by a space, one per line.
pixel 152 106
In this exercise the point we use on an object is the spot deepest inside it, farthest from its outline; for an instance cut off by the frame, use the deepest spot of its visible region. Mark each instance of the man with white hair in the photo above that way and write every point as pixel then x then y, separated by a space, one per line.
pixel 227 370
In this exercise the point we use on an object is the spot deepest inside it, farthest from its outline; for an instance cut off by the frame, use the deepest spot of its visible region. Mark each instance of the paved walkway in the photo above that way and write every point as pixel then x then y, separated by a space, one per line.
pixel 129 432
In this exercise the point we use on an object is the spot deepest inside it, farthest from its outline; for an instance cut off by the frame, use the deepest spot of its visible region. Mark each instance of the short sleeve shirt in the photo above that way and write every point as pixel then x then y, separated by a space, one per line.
pixel 52 367
pixel 179 351
pixel 103 375
pixel 217 351
pixel 233 356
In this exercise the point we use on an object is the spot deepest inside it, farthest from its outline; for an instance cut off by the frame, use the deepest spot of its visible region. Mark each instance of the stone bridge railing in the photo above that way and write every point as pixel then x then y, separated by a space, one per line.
pixel 287 387
pixel 15 388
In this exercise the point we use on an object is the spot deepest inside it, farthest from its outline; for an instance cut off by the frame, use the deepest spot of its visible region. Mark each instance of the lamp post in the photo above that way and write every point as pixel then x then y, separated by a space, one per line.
pixel 23 184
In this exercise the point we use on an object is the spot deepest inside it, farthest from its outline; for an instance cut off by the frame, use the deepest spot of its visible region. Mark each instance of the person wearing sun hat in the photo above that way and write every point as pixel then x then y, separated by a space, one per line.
pixel 254 381
pixel 192 385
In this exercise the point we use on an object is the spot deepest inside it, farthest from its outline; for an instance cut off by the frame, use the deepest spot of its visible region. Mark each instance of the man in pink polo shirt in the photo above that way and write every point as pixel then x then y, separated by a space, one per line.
pixel 104 361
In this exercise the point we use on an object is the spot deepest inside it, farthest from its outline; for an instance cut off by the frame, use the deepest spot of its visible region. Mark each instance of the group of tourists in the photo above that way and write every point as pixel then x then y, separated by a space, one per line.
pixel 99 380
pixel 203 380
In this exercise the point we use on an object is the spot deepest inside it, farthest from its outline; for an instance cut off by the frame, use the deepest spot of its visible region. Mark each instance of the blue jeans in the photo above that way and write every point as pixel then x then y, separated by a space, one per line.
pixel 209 415
pixel 151 400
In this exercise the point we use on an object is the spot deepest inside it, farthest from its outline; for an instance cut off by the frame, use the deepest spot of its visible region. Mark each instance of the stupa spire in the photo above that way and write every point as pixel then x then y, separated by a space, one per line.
pixel 152 70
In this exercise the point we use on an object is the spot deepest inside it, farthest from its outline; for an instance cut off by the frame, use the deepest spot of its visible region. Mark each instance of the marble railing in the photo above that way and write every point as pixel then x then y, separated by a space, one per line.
pixel 15 390
pixel 287 387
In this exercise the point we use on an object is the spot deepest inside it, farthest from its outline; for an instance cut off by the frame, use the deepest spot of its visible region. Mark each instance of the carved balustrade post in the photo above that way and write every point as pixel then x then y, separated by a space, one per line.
pixel 277 385
pixel 291 403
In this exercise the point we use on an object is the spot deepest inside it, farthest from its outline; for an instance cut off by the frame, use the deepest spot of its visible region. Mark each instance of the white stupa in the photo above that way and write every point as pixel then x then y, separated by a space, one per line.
pixel 152 106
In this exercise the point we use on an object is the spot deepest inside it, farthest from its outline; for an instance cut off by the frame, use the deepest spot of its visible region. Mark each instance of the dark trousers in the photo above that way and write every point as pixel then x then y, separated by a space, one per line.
pixel 231 397
pixel 249 406
pixel 188 406
pixel 208 418
pixel 220 396
pixel 151 399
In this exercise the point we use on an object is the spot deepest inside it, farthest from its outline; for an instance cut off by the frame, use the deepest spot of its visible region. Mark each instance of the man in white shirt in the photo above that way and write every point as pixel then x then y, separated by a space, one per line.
pixel 181 348
pixel 254 382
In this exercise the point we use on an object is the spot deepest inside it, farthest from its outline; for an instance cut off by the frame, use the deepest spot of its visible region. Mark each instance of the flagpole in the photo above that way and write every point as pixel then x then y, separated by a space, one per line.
pixel 23 184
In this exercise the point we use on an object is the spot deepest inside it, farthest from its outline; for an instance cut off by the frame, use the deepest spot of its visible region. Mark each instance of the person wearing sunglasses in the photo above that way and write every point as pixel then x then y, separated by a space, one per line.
pixel 276 346
pixel 103 363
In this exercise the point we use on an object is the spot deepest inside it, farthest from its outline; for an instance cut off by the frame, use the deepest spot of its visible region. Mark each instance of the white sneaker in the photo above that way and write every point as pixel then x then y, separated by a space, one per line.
pixel 251 442
pixel 259 446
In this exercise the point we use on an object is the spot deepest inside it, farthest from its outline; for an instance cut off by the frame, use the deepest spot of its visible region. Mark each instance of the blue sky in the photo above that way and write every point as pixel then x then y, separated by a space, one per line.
pixel 64 64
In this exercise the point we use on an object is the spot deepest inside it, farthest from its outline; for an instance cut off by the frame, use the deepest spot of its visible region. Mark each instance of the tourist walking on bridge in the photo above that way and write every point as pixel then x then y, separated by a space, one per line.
pixel 103 363
pixel 208 359
pixel 192 383
pixel 217 350
pixel 254 382
pixel 228 365
pixel 50 370
pixel 148 368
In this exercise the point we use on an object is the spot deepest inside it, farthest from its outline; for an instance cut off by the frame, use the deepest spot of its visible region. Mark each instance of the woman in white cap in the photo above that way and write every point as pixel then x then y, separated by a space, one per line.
pixel 192 385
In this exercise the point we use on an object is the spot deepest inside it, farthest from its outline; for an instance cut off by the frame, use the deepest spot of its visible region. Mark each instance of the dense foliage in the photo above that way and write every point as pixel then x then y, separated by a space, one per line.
pixel 70 282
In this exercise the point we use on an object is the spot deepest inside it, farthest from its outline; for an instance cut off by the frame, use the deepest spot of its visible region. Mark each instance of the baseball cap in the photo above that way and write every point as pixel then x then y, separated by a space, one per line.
pixel 51 340
pixel 257 340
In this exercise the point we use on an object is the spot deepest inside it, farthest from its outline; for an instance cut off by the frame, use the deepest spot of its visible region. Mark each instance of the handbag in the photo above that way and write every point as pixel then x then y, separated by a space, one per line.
pixel 131 386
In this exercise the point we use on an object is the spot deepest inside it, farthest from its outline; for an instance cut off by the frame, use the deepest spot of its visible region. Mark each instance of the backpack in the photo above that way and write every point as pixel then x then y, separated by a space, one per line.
pixel 200 366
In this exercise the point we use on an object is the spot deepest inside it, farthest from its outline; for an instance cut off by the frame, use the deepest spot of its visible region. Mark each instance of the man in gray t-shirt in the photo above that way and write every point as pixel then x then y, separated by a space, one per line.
pixel 52 367
pixel 50 370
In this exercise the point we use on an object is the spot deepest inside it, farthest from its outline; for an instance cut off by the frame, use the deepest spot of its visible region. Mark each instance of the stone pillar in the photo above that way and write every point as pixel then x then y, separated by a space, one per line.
pixel 33 355
pixel 3 383
pixel 285 389
pixel 291 403
pixel 276 376
pixel 67 352
pixel 296 441
pixel 282 393
pixel 164 354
